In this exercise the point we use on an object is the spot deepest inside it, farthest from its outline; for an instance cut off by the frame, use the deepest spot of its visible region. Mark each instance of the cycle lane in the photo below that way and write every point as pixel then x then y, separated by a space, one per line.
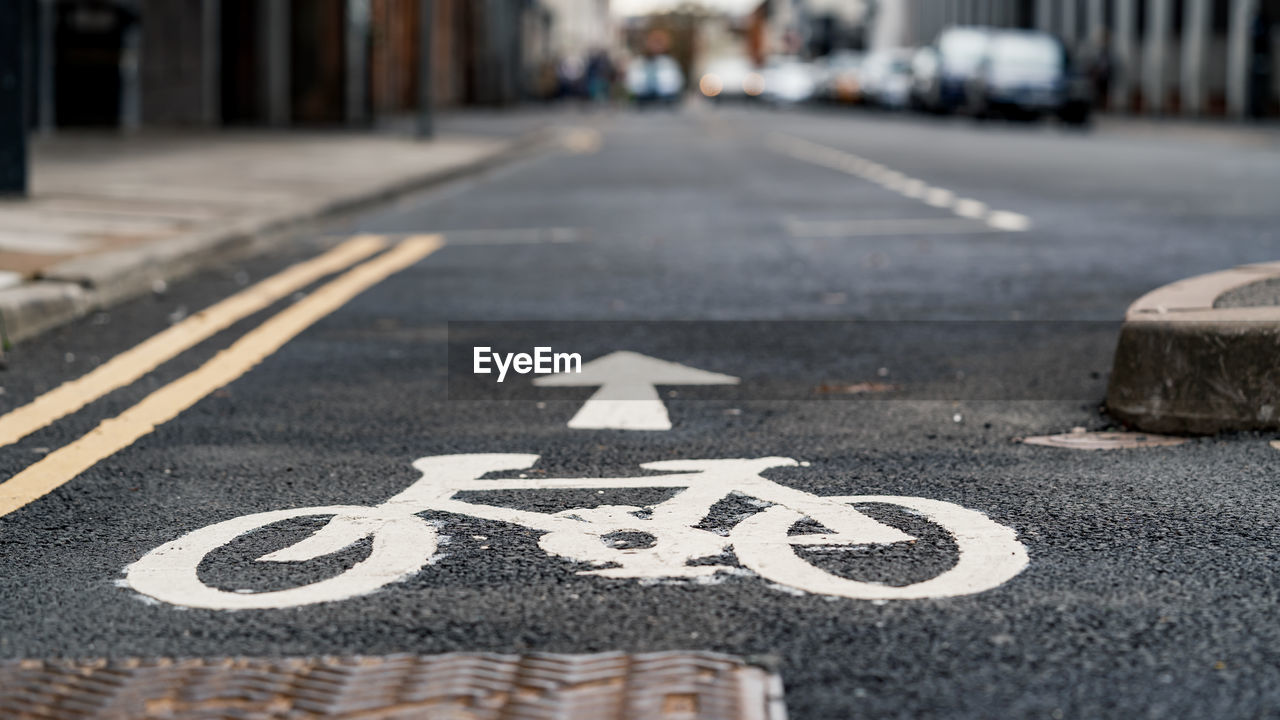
pixel 494 587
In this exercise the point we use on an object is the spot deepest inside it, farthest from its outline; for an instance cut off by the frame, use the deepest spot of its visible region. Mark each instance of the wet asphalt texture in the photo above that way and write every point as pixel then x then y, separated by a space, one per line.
pixel 1152 587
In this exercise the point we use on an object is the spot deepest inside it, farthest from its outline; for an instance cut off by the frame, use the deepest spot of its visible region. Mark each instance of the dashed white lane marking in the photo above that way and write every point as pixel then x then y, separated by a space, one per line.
pixel 516 236
pixel 817 229
pixel 970 209
pixel 898 182
pixel 1012 221
pixel 582 140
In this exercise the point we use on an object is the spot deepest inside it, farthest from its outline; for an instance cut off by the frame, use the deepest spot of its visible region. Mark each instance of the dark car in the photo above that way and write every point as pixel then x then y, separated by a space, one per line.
pixel 1027 74
pixel 942 72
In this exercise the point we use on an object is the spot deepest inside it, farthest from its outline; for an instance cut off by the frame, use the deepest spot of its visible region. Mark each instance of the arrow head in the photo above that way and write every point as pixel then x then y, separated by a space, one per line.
pixel 631 368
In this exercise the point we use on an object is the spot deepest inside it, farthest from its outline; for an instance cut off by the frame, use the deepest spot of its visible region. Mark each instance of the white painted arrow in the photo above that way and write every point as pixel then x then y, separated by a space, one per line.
pixel 628 395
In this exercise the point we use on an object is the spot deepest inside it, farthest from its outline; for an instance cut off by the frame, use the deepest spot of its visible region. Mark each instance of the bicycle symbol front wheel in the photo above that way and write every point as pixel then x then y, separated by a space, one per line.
pixel 402 545
pixel 989 553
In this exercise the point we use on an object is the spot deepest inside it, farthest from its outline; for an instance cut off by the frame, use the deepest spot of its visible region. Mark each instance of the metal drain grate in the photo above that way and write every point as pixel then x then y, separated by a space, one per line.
pixel 609 686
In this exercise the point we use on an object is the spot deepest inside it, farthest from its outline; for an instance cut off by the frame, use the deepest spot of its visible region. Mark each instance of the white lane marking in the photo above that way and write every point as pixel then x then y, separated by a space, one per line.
pixel 628 395
pixel 906 185
pixel 864 228
pixel 939 197
pixel 1012 221
pixel 581 140
pixel 972 209
pixel 915 189
pixel 675 546
pixel 515 236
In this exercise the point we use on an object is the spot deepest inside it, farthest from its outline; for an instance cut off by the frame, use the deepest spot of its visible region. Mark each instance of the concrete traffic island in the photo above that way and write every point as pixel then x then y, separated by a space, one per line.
pixel 1202 355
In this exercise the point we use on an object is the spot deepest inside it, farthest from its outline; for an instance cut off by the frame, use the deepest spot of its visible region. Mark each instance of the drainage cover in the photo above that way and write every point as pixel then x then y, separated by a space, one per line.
pixel 457 686
pixel 1104 440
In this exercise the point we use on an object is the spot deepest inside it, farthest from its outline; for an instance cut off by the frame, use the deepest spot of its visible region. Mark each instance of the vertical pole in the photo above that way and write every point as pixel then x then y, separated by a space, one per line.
pixel 999 13
pixel 275 49
pixel 46 109
pixel 1238 52
pixel 1153 85
pixel 1122 42
pixel 211 62
pixel 1070 32
pixel 1195 31
pixel 1044 15
pixel 1095 24
pixel 357 69
pixel 426 126
pixel 130 80
pixel 13 116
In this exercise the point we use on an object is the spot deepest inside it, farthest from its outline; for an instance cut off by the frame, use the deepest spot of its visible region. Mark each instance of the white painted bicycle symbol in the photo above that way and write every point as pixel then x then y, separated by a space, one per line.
pixel 403 543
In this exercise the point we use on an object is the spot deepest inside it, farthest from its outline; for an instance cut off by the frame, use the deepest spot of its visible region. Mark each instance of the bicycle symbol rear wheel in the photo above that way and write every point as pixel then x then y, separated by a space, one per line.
pixel 402 545
pixel 990 553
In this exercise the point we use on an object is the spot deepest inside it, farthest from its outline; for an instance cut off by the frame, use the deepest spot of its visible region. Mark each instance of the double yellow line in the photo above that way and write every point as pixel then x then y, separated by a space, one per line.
pixel 115 434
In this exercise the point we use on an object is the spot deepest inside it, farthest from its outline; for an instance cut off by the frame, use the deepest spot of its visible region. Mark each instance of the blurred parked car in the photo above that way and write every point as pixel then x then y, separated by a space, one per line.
pixel 730 79
pixel 1026 74
pixel 886 78
pixel 655 79
pixel 838 77
pixel 789 81
pixel 942 72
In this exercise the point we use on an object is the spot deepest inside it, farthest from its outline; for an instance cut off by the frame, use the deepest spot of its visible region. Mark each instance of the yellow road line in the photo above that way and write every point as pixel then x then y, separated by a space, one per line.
pixel 141 359
pixel 117 433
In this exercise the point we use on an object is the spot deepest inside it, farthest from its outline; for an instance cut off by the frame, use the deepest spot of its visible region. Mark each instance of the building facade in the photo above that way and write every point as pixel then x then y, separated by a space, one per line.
pixel 1165 57
pixel 130 63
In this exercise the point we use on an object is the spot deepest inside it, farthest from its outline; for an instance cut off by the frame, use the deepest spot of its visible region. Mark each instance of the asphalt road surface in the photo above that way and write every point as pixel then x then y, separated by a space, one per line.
pixel 893 338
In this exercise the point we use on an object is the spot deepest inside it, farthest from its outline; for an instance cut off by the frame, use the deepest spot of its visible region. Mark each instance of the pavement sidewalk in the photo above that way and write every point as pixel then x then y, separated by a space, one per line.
pixel 110 215
pixel 1262 135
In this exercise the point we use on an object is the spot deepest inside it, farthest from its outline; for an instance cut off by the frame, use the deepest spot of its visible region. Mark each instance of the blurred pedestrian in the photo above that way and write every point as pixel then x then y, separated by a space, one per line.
pixel 1100 70
pixel 570 73
pixel 599 76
